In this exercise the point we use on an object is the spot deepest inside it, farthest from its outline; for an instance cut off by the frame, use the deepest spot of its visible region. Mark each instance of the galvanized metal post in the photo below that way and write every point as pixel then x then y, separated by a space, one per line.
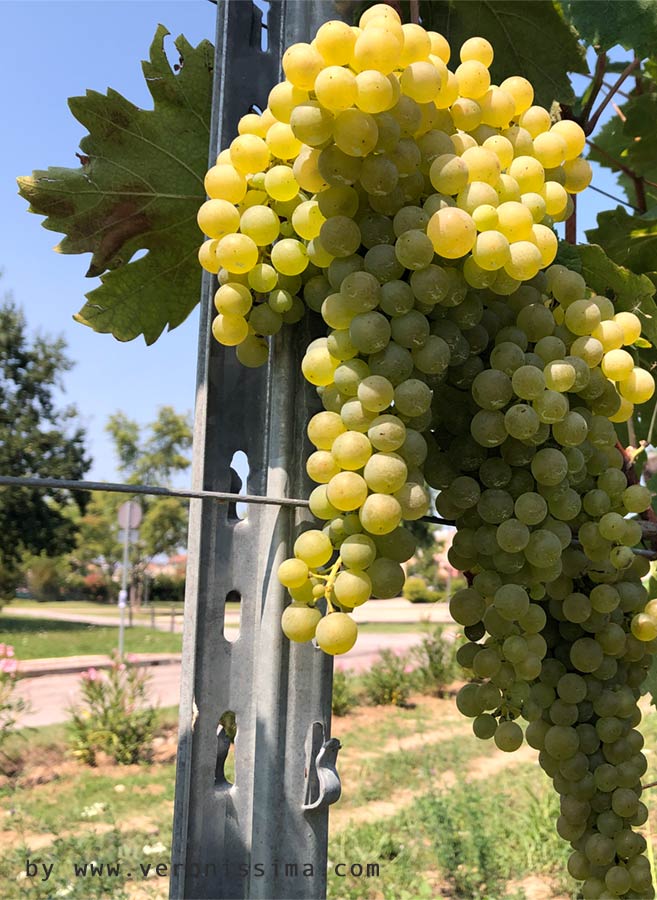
pixel 265 835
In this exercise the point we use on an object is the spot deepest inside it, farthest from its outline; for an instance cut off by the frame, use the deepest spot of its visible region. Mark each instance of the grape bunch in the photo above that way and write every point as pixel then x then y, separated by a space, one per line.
pixel 411 207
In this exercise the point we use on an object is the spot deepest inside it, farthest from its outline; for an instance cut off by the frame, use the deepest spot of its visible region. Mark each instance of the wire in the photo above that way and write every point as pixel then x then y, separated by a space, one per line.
pixel 611 197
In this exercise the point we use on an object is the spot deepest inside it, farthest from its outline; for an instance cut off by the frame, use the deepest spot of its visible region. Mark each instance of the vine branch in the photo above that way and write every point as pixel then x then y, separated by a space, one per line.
pixel 598 76
pixel 627 71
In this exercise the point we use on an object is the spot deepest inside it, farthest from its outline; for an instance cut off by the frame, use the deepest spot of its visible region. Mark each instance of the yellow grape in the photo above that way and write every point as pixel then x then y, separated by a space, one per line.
pixel 377 48
pixel 528 172
pixel 483 165
pixel 578 175
pixel 299 622
pixel 230 330
pixel 374 92
pixel 491 250
pixel 521 90
pixel 293 573
pixel 420 81
pixel 301 65
pixel 237 253
pixel 336 88
pixel 336 633
pixel 249 154
pixel 631 326
pixel 207 256
pixel 617 365
pixel 573 136
pixel 547 243
pixel 233 299
pixel 347 491
pixel 535 120
pixel 261 224
pixel 452 232
pixel 416 44
pixel 224 182
pixel 439 46
pixel 479 49
pixel 217 218
pixel 314 548
pixel 280 183
pixel 335 41
pixel 550 149
pixel 473 78
pixel 466 114
pixel 318 366
pixel 638 387
pixel 281 141
pixel 497 108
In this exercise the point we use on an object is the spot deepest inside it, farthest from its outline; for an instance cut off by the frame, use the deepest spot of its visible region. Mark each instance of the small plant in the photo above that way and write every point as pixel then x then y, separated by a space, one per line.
pixel 10 706
pixel 389 680
pixel 115 716
pixel 418 590
pixel 436 662
pixel 344 697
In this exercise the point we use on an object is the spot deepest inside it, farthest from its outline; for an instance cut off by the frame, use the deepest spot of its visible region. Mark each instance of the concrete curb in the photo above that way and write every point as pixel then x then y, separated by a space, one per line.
pixel 35 668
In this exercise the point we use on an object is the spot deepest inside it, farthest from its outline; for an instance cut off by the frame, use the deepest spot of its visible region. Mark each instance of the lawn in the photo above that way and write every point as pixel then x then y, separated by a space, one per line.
pixel 442 815
pixel 46 638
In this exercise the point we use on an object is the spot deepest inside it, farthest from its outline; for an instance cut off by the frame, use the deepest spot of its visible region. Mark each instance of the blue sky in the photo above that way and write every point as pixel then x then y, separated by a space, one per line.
pixel 54 50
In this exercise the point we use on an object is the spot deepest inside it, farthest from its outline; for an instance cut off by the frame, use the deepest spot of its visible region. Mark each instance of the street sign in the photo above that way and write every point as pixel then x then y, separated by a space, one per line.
pixel 133 535
pixel 129 514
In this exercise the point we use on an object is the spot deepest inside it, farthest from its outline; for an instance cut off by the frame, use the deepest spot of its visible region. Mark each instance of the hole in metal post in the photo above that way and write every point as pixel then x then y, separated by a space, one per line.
pixel 239 474
pixel 263 8
pixel 224 771
pixel 232 615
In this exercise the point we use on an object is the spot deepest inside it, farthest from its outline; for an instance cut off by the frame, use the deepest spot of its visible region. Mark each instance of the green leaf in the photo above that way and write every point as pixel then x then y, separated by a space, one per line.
pixel 628 140
pixel 629 291
pixel 630 241
pixel 568 256
pixel 530 39
pixel 630 23
pixel 139 187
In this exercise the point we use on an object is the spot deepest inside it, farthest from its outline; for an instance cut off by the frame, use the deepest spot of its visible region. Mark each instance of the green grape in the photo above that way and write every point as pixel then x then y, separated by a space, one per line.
pixel 387 577
pixel 410 330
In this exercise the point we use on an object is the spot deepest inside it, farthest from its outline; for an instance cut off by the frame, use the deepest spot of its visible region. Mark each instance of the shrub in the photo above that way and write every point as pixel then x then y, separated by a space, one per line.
pixel 115 716
pixel 418 590
pixel 10 706
pixel 167 588
pixel 344 697
pixel 436 662
pixel 44 578
pixel 389 680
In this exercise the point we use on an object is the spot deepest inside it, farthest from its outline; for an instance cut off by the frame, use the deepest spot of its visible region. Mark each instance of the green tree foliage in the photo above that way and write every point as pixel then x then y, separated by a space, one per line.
pixel 37 438
pixel 153 455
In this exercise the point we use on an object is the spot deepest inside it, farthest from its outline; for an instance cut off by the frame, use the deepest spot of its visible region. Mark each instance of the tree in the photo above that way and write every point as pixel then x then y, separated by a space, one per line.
pixel 146 455
pixel 36 439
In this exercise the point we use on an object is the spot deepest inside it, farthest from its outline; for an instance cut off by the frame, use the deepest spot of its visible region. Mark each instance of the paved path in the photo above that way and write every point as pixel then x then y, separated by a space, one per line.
pixel 50 695
pixel 391 611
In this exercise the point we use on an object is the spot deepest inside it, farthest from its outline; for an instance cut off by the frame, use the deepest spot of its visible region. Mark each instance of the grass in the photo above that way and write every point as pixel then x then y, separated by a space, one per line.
pixel 47 638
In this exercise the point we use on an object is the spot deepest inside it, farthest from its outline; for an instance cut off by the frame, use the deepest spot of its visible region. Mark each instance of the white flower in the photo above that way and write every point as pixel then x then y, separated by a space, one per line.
pixel 21 876
pixel 64 891
pixel 152 849
pixel 119 788
pixel 94 810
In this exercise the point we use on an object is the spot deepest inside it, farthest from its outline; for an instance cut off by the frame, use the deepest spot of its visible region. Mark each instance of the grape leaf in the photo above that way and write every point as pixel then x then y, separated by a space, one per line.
pixel 139 188
pixel 630 241
pixel 632 23
pixel 530 39
pixel 630 292
pixel 568 256
pixel 627 140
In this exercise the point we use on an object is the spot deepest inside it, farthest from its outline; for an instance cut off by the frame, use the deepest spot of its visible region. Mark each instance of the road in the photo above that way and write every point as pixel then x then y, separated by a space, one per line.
pixel 50 695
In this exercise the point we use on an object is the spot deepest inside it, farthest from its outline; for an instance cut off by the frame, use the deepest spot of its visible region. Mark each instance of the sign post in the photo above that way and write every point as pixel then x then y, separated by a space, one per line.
pixel 129 518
